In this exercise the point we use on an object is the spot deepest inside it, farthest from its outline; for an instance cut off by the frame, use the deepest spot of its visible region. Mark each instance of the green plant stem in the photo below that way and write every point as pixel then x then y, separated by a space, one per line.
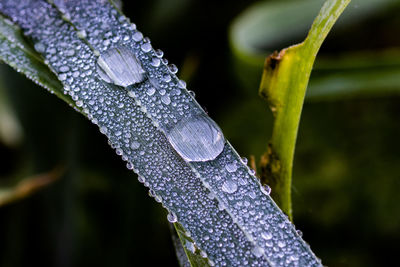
pixel 283 85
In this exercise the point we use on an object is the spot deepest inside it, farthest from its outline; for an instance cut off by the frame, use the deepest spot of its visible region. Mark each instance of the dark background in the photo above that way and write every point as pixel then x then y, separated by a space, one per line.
pixel 346 170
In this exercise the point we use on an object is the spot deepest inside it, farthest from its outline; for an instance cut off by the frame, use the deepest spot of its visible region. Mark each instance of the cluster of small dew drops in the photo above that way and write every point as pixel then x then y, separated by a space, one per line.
pixel 134 137
pixel 162 98
pixel 13 52
pixel 154 87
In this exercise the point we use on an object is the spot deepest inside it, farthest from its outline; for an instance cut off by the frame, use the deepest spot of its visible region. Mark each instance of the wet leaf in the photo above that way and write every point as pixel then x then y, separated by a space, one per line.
pixel 219 202
pixel 184 245
pixel 19 54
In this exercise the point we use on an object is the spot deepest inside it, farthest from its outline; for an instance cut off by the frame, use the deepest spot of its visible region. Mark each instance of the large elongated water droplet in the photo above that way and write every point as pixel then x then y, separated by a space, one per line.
pixel 120 66
pixel 197 138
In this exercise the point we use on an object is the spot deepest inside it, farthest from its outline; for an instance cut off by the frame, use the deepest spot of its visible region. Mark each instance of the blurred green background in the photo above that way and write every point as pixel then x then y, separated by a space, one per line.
pixel 347 164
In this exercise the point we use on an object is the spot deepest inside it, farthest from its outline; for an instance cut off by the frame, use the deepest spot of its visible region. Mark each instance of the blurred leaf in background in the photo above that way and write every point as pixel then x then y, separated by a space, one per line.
pixel 10 127
pixel 346 169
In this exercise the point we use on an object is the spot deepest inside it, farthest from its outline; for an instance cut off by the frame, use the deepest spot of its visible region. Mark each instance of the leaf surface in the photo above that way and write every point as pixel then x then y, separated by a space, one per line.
pixel 19 54
pixel 241 226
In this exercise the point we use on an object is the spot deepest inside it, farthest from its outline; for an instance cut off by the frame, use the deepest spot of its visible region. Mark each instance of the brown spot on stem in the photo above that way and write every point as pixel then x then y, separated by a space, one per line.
pixel 271 70
pixel 273 60
pixel 270 167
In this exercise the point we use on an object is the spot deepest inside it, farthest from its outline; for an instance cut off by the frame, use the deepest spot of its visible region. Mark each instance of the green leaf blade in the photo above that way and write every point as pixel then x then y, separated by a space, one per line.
pixel 180 190
pixel 185 249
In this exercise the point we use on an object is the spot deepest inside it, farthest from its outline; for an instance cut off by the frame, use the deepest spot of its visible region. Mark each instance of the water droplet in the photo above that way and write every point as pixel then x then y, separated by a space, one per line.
pixel 155 62
pixel 252 195
pixel 51 50
pixel 64 68
pixel 190 246
pixel 266 235
pixel 141 179
pixel 66 16
pixel 252 172
pixel 103 130
pixel 197 138
pixel 242 181
pixel 192 93
pixel 229 186
pixel 129 165
pixel 40 47
pixel 70 52
pixel 203 254
pixel 151 193
pixel 146 47
pixel 158 198
pixel 82 34
pixel 173 68
pixel 119 151
pixel 281 244
pixel 294 257
pixel 188 234
pixel 299 232
pixel 137 36
pixel 257 251
pixel 265 189
pixel 151 91
pixel 106 42
pixel 62 77
pixel 165 99
pixel 135 145
pixel 244 160
pixel 159 53
pixel 120 66
pixel 166 78
pixel 182 84
pixel 231 167
pixel 172 218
